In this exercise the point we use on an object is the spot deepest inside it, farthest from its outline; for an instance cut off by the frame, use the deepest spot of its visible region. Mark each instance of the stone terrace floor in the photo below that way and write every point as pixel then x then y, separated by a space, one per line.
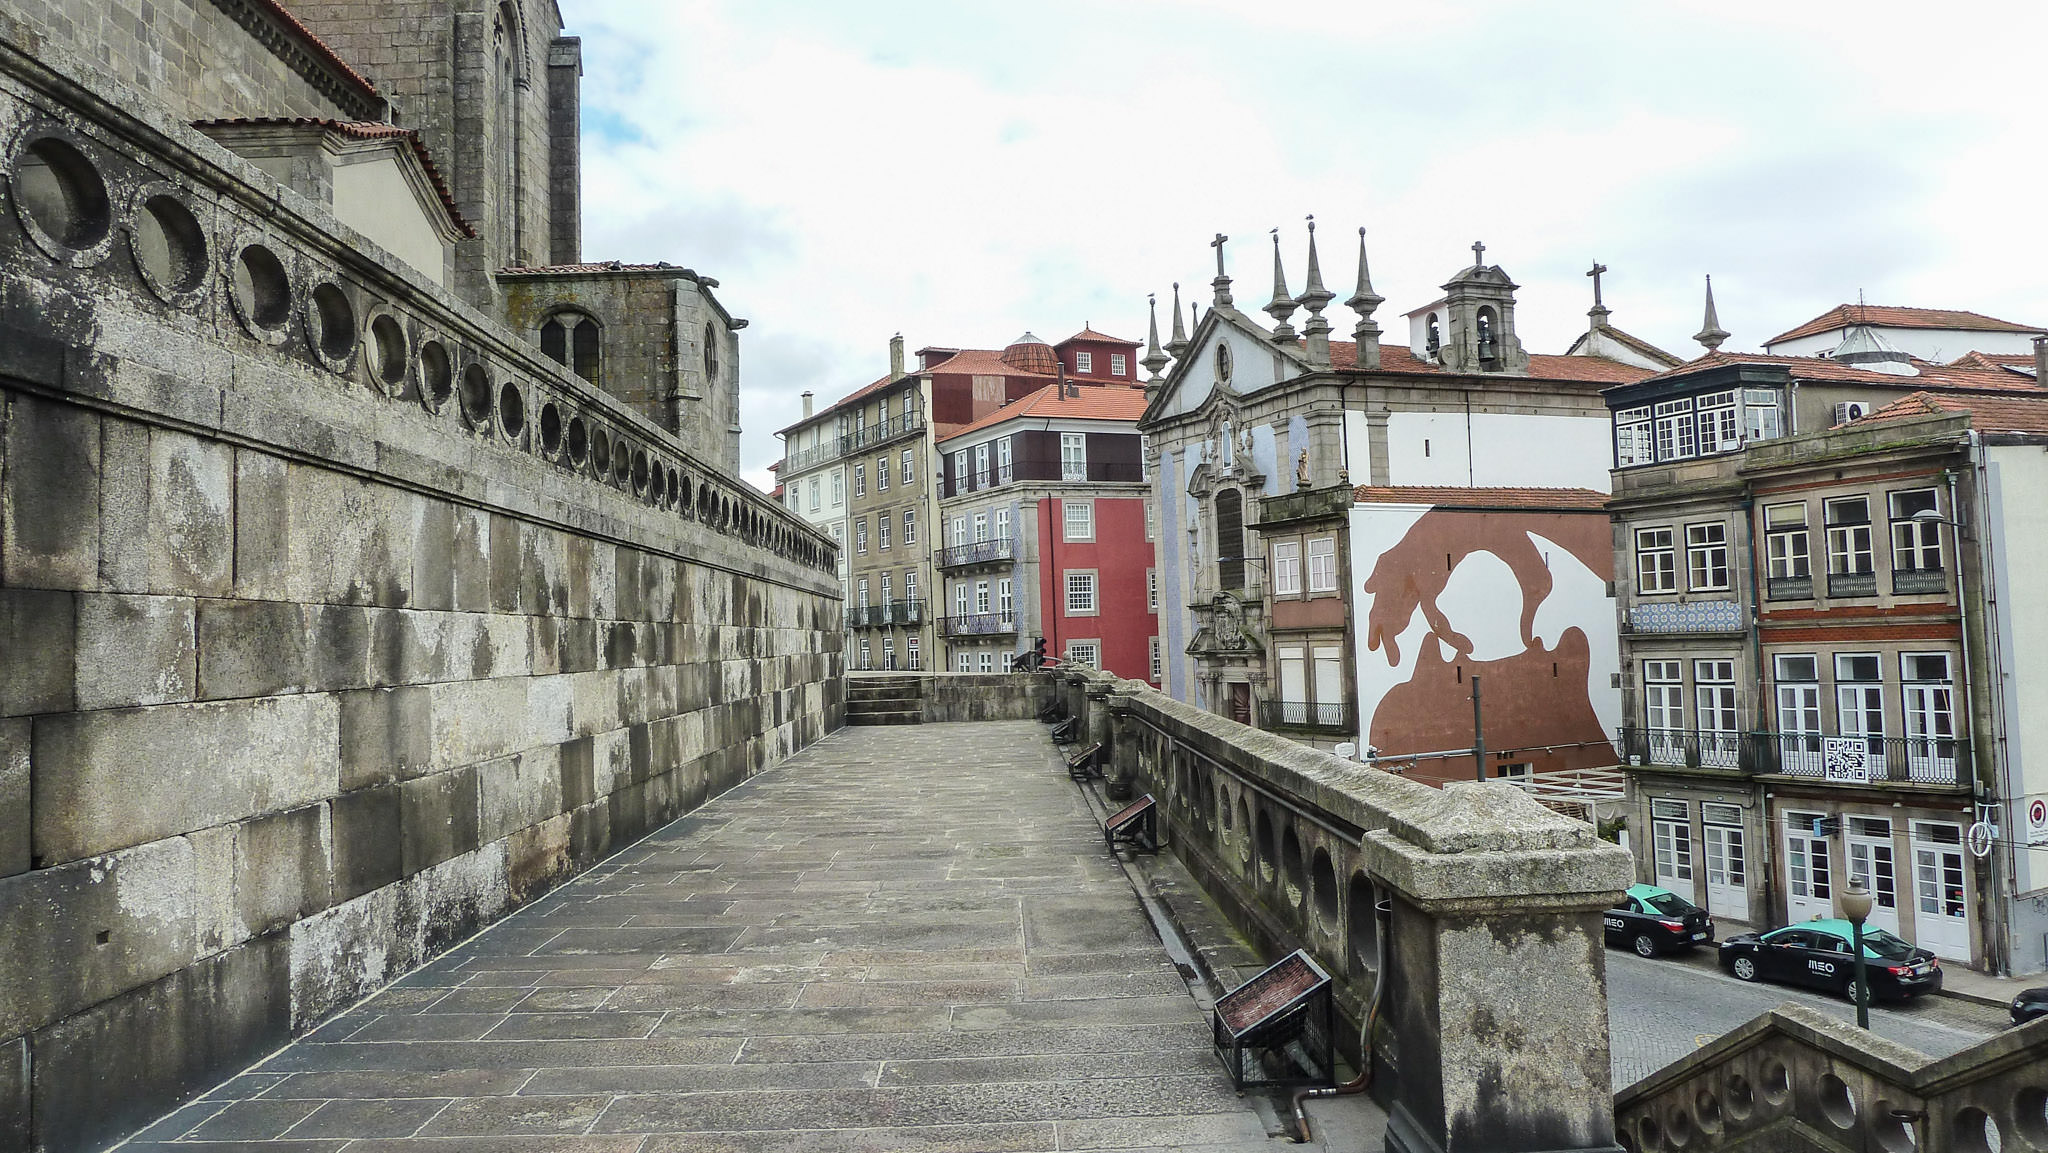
pixel 900 939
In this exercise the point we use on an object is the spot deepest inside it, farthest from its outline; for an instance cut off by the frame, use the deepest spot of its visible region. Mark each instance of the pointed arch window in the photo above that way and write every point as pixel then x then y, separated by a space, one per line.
pixel 508 77
pixel 1230 539
pixel 574 339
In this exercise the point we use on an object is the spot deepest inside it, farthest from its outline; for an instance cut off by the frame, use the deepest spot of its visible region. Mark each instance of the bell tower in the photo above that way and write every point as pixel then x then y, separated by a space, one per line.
pixel 1481 335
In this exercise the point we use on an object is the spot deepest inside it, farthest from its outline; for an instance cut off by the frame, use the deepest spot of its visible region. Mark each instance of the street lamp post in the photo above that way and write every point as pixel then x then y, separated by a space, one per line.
pixel 1856 907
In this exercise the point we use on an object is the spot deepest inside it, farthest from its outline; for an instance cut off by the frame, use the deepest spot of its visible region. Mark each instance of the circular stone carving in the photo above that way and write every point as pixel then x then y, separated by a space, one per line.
pixel 260 293
pixel 1973 1131
pixel 579 441
pixel 1837 1104
pixel 600 454
pixel 511 410
pixel 550 430
pixel 474 396
pixel 168 246
pixel 60 199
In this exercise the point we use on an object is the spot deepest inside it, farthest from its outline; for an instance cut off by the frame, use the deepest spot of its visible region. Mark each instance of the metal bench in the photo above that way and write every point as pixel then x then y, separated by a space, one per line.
pixel 1134 827
pixel 1085 763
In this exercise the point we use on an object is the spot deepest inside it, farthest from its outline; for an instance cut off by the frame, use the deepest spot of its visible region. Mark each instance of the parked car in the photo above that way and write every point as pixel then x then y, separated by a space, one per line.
pixel 1651 920
pixel 1818 954
pixel 2030 1005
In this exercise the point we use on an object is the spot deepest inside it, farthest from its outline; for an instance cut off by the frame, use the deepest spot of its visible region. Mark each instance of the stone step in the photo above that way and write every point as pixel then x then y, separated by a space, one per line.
pixel 885 717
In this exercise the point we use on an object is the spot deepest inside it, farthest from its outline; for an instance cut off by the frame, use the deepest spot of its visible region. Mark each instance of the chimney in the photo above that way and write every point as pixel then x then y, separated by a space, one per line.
pixel 2041 361
pixel 896 356
pixel 807 404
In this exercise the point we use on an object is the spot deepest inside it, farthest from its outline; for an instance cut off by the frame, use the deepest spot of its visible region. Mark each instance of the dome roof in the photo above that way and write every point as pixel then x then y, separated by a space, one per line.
pixel 1027 353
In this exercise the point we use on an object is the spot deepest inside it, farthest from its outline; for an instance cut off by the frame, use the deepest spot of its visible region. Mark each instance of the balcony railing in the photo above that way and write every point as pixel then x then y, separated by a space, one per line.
pixel 809 458
pixel 1846 760
pixel 1919 580
pixel 870 435
pixel 978 552
pixel 1789 588
pixel 1333 717
pixel 1852 584
pixel 907 612
pixel 978 624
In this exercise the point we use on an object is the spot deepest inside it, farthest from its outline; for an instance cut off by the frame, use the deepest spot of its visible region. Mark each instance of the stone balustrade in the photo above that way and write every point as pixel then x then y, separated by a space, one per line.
pixel 1493 1027
pixel 1798 1079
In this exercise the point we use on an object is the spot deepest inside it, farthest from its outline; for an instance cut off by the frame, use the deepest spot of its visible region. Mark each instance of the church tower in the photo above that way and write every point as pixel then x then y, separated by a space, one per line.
pixel 1481 336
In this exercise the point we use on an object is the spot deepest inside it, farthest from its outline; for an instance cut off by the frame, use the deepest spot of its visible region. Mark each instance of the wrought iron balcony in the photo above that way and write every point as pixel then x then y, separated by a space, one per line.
pixel 810 458
pixel 1325 717
pixel 869 435
pixel 1847 760
pixel 1919 580
pixel 978 552
pixel 907 612
pixel 1852 584
pixel 978 624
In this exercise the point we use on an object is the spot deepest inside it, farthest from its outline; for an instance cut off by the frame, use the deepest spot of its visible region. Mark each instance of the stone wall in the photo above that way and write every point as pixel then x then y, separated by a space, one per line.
pixel 1493 1024
pixel 334 620
pixel 192 55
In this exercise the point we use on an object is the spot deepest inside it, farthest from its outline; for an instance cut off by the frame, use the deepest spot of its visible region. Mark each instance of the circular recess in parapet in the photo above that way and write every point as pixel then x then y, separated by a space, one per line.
pixel 670 495
pixel 550 430
pixel 640 477
pixel 260 292
pixel 59 197
pixel 579 442
pixel 167 245
pixel 622 464
pixel 656 482
pixel 600 454
pixel 331 326
pixel 390 353
pixel 511 411
pixel 474 397
pixel 437 375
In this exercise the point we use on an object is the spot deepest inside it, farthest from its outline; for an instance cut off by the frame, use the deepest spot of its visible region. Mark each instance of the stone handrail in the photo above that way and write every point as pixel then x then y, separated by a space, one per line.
pixel 1795 1078
pixel 1493 1032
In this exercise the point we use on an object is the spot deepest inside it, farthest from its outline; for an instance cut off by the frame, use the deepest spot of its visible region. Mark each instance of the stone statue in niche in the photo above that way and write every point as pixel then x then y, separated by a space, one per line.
pixel 1301 470
pixel 1245 442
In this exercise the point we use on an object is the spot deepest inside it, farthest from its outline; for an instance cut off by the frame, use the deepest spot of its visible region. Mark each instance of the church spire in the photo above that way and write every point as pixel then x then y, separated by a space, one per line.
pixel 1282 305
pixel 1179 343
pixel 1315 298
pixel 1154 359
pixel 1363 302
pixel 1711 334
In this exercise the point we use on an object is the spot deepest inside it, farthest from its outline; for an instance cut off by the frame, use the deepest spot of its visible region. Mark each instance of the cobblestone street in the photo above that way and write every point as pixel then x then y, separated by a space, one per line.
pixel 903 938
pixel 1659 1010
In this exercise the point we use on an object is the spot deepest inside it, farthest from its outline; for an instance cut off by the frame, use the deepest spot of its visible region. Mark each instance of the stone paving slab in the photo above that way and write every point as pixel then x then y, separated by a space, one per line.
pixel 904 938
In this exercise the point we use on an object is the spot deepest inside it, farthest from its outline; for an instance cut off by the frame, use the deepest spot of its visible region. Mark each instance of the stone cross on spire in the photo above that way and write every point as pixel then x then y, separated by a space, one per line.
pixel 1282 305
pixel 1478 255
pixel 1222 282
pixel 1362 302
pixel 1599 312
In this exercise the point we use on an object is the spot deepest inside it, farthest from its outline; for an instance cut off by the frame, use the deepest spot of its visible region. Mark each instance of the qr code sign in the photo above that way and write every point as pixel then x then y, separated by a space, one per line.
pixel 1845 760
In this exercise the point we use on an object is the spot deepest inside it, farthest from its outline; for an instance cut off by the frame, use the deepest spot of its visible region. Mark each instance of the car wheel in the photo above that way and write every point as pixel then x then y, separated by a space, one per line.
pixel 1849 993
pixel 1644 946
pixel 1744 968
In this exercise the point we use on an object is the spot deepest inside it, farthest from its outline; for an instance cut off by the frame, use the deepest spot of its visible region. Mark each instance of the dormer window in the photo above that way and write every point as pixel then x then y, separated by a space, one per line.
pixel 1084 362
pixel 572 339
pixel 1118 366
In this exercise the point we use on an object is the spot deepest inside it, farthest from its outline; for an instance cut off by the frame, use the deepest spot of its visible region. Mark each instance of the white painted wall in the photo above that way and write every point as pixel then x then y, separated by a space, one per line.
pixel 1357 447
pixel 374 198
pixel 1939 345
pixel 1497 449
pixel 2019 536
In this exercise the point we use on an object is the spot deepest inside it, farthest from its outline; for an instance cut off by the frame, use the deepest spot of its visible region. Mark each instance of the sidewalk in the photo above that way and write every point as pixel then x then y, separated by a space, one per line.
pixel 1958 980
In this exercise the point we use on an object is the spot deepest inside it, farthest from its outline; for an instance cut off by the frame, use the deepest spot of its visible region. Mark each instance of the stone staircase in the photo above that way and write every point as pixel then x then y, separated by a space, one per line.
pixel 873 699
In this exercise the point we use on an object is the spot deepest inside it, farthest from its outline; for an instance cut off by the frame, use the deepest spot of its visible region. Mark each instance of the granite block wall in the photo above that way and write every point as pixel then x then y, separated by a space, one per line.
pixel 334 621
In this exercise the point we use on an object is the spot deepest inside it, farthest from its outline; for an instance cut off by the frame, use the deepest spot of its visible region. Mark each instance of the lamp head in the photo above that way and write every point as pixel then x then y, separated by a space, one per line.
pixel 1856 902
pixel 1928 516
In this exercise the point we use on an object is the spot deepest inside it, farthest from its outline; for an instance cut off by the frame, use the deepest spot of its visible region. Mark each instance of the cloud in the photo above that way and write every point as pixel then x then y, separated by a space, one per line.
pixel 960 173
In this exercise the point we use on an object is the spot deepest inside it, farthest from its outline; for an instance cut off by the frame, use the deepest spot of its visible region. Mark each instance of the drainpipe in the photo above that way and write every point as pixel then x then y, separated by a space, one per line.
pixel 1383 918
pixel 1997 953
pixel 1762 738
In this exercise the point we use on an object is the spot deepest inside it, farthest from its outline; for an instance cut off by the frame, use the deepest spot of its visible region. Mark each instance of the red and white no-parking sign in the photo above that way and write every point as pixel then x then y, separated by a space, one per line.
pixel 2037 821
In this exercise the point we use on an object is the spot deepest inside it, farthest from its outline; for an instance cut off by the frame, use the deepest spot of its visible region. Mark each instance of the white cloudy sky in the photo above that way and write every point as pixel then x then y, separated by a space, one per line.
pixel 961 171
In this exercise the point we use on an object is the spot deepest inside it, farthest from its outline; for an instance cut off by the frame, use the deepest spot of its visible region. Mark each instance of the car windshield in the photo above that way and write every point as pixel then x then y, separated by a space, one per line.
pixel 1669 905
pixel 1886 946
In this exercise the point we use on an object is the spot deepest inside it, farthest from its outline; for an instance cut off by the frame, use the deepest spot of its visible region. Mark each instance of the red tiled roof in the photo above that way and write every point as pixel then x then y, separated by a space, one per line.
pixel 981 362
pixel 319 47
pixel 1117 402
pixel 1088 333
pixel 1987 413
pixel 360 130
pixel 1594 369
pixel 1890 316
pixel 1931 375
pixel 1553 499
pixel 2011 361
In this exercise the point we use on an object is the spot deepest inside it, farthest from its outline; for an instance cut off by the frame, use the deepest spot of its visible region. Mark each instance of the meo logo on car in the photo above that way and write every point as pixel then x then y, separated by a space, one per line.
pixel 1821 966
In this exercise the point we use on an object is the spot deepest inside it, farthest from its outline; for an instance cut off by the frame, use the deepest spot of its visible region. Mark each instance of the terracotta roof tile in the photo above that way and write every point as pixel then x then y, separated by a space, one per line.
pixel 1820 368
pixel 360 130
pixel 1555 499
pixel 1088 333
pixel 1987 413
pixel 2020 362
pixel 1891 316
pixel 1114 402
pixel 981 362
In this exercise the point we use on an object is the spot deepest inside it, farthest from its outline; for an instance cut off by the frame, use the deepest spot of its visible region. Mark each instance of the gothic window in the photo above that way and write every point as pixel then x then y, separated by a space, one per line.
pixel 573 339
pixel 710 353
pixel 1230 539
pixel 505 59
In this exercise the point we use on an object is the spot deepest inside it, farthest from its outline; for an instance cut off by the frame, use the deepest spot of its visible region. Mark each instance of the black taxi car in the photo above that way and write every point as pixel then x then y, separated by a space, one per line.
pixel 1818 954
pixel 2030 1005
pixel 1651 920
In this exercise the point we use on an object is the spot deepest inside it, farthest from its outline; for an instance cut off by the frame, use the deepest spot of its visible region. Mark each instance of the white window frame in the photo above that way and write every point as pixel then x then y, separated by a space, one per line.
pixel 882 524
pixel 1656 560
pixel 860 480
pixel 860 536
pixel 963 661
pixel 1916 545
pixel 1118 364
pixel 909 526
pixel 911 654
pixel 1088 652
pixel 1286 568
pixel 1084 361
pixel 907 473
pixel 1083 597
pixel 815 487
pixel 981 466
pixel 1006 598
pixel 1322 564
pixel 1706 556
pixel 1077 520
pixel 882 473
pixel 1073 456
pixel 1788 547
pixel 1158 666
pixel 1849 541
pixel 838 489
pixel 1152 589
